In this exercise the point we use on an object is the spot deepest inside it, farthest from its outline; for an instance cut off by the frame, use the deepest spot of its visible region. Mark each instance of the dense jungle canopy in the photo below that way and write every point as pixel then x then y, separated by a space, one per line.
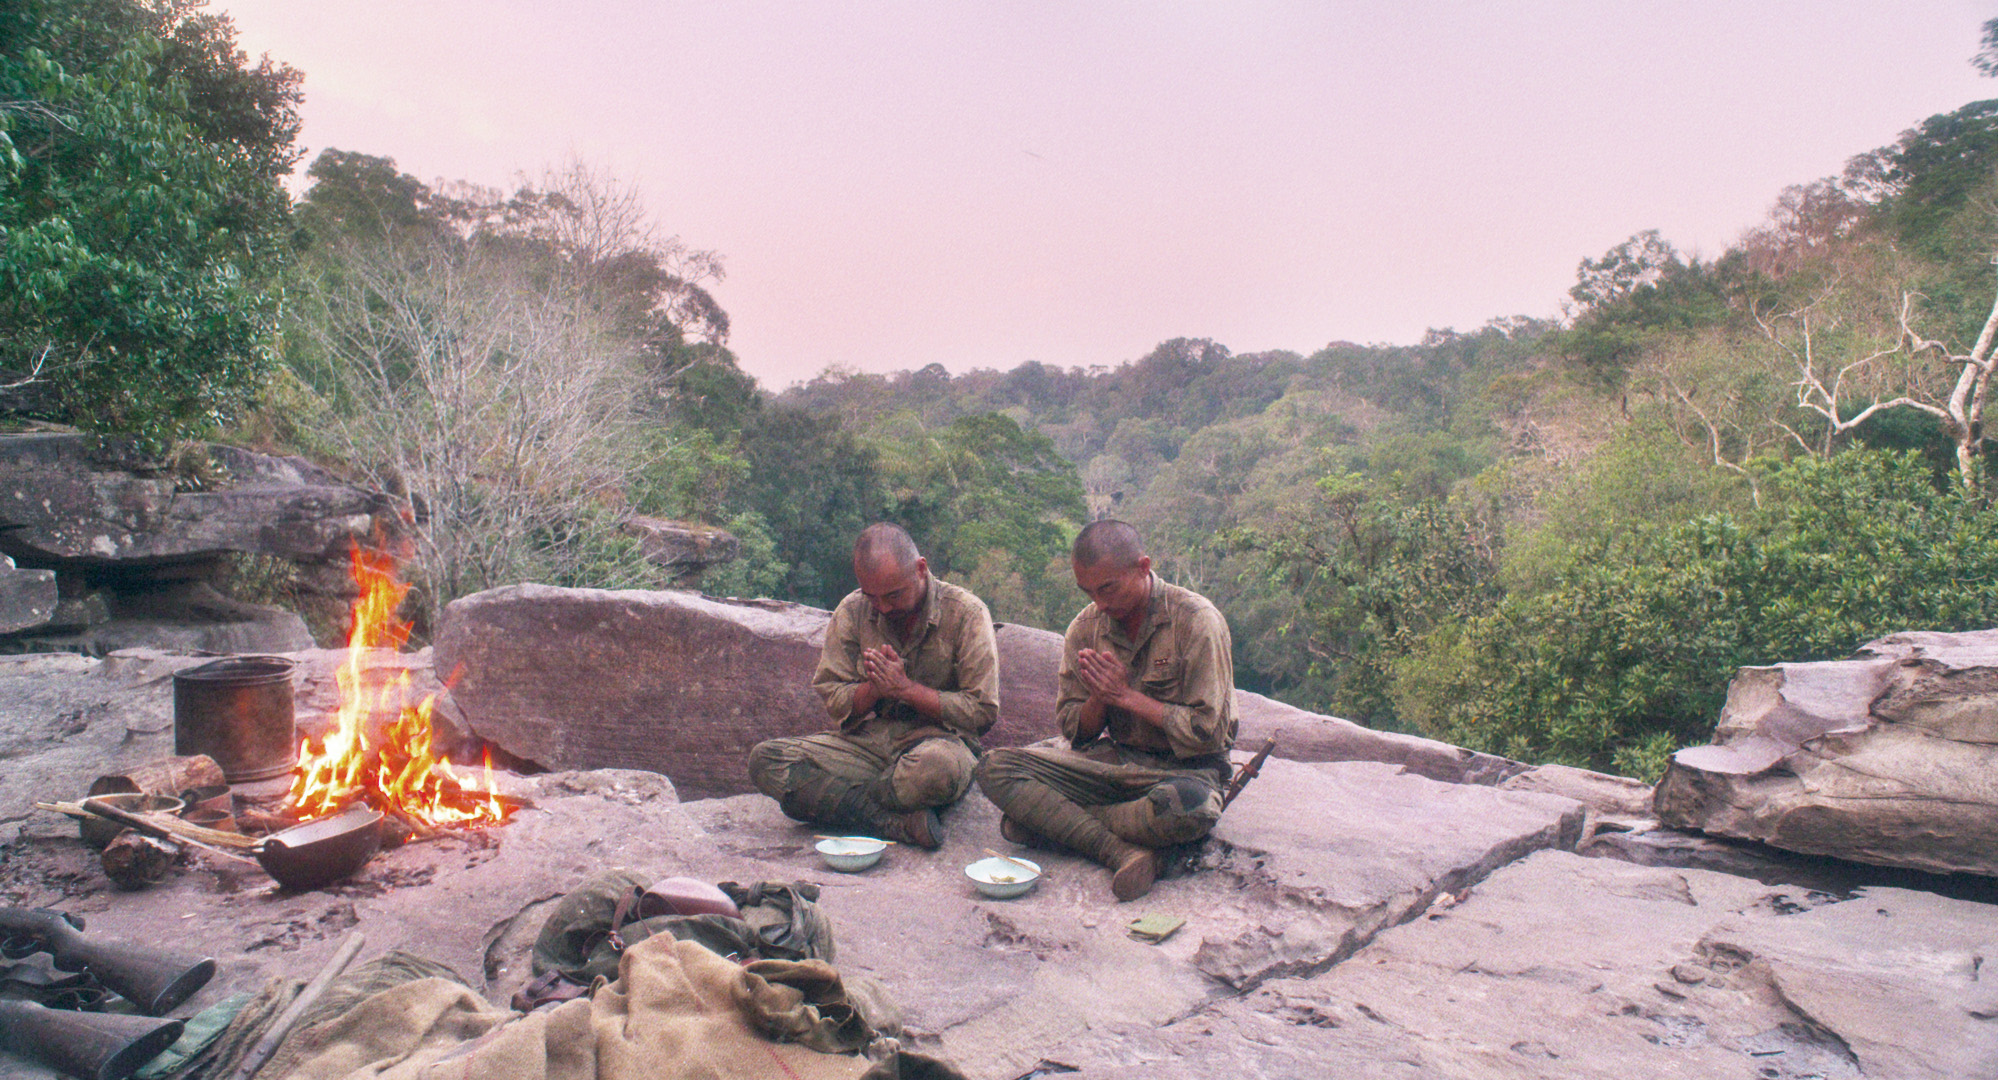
pixel 1553 539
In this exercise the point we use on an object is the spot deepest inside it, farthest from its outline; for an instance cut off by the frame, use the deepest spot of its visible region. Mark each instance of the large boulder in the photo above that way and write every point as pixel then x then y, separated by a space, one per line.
pixel 670 682
pixel 684 685
pixel 1889 758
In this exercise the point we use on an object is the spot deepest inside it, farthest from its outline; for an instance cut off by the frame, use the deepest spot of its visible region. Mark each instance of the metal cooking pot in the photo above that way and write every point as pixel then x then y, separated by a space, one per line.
pixel 237 710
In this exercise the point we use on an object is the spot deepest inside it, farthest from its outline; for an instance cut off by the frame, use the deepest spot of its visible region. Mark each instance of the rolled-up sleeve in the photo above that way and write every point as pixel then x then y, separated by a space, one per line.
pixel 1070 694
pixel 1201 719
pixel 973 707
pixel 838 674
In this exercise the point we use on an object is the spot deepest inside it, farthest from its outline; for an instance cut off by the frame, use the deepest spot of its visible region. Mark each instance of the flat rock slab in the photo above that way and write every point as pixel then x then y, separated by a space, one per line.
pixel 1563 967
pixel 1274 891
pixel 65 717
pixel 1346 919
pixel 84 499
pixel 991 984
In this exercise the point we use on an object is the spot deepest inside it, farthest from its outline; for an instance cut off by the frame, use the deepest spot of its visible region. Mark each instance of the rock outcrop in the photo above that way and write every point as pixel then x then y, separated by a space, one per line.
pixel 1888 758
pixel 134 542
pixel 679 548
pixel 684 685
pixel 27 597
pixel 1346 919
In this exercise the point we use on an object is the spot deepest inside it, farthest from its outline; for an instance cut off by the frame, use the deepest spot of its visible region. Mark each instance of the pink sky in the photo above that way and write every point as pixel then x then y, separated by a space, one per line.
pixel 979 184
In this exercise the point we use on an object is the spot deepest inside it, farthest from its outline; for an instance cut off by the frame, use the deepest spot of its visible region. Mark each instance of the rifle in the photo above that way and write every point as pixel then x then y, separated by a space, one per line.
pixel 95 1046
pixel 1248 772
pixel 152 981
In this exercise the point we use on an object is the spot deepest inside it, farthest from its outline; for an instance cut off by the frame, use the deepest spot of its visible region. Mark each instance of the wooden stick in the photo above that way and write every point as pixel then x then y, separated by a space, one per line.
pixel 167 776
pixel 1016 862
pixel 152 827
pixel 308 997
pixel 181 830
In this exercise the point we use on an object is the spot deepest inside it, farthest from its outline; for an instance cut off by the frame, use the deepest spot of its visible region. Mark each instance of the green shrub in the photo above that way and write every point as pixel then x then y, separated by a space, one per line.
pixel 1627 653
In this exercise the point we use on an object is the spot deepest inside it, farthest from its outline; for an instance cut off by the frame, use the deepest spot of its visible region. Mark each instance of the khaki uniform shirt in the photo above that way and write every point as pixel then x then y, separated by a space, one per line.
pixel 1181 658
pixel 950 649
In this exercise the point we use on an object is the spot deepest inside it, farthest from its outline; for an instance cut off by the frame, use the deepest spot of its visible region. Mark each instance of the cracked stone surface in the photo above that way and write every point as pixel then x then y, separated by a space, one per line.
pixel 1565 967
pixel 1274 891
pixel 1346 919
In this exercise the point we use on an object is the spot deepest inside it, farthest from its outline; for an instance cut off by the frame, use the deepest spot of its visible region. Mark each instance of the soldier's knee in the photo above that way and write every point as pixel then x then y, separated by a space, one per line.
pixel 1183 796
pixel 998 771
pixel 769 768
pixel 1183 809
pixel 933 773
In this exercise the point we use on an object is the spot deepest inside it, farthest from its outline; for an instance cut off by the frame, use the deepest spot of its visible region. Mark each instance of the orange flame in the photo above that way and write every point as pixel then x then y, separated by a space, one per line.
pixel 400 773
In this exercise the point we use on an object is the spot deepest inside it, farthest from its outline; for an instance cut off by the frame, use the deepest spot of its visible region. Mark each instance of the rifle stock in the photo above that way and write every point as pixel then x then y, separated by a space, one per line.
pixel 1247 773
pixel 96 1046
pixel 152 980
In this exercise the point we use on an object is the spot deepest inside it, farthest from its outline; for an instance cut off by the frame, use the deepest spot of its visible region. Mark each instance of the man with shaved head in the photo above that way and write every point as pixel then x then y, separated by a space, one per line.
pixel 910 673
pixel 1147 712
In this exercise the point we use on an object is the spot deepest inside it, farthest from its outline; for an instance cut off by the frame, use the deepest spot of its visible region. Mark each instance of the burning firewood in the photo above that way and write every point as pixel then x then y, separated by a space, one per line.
pixel 379 750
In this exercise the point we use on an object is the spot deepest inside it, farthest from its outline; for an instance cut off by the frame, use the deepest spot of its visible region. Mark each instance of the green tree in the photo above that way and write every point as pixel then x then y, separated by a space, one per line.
pixel 1376 565
pixel 995 506
pixel 491 360
pixel 1637 293
pixel 142 225
pixel 1627 654
pixel 815 485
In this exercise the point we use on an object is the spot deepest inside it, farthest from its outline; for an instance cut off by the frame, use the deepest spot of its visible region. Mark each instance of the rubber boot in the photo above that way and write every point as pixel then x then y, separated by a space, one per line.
pixel 1132 872
pixel 920 826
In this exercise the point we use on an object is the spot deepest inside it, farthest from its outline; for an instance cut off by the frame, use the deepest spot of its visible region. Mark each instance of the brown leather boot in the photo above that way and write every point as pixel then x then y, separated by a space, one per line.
pixel 1132 870
pixel 919 827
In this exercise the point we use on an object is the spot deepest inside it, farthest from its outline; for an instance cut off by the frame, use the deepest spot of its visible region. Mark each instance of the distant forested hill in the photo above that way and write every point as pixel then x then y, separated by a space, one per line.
pixel 1552 539
pixel 1549 539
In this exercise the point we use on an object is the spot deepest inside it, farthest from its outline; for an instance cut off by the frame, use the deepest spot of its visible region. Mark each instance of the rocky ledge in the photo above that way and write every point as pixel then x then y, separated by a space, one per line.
pixel 1348 918
pixel 1890 757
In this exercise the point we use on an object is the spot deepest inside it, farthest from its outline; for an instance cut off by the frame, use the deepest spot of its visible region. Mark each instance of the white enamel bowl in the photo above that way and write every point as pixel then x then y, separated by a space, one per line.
pixel 851 854
pixel 1003 879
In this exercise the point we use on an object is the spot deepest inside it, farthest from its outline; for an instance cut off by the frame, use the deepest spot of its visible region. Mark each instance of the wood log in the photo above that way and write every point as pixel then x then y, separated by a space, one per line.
pixel 167 776
pixel 133 860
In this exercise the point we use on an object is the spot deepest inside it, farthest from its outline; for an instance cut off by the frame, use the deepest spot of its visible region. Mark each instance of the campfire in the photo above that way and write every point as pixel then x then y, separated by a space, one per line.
pixel 379 749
